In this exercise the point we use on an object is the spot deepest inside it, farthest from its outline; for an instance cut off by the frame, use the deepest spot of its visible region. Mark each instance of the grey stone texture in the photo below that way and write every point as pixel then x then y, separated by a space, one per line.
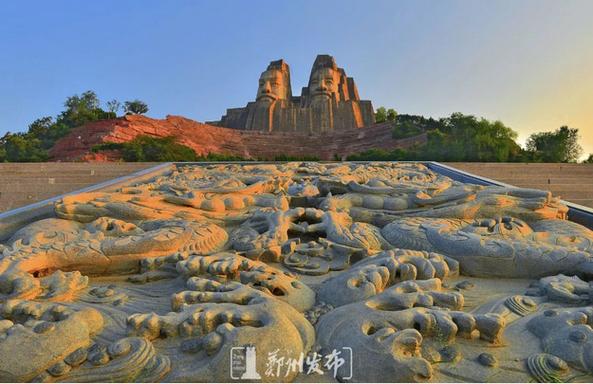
pixel 404 274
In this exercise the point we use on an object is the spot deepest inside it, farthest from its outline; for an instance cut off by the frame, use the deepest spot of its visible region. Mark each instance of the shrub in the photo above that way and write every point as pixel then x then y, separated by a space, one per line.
pixel 148 148
pixel 135 107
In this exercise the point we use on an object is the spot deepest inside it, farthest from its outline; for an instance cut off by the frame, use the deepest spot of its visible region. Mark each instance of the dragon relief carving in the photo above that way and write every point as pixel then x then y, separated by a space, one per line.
pixel 422 277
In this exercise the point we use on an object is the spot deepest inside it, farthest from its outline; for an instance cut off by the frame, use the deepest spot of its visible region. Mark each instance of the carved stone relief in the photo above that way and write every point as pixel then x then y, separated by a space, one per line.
pixel 407 274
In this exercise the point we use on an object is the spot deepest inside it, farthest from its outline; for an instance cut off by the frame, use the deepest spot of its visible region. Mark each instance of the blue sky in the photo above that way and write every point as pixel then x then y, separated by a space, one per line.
pixel 528 63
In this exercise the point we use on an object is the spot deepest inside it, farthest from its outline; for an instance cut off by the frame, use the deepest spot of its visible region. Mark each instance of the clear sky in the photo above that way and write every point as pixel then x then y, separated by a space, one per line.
pixel 528 63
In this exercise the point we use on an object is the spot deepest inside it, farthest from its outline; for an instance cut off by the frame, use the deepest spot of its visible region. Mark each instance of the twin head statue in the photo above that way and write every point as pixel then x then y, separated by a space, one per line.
pixel 328 103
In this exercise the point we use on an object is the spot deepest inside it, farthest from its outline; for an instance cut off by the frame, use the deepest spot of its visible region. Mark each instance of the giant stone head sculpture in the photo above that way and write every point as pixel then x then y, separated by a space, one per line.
pixel 274 82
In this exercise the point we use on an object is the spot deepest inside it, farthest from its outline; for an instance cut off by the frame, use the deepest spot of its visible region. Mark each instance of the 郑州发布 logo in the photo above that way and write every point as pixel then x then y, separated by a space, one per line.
pixel 337 363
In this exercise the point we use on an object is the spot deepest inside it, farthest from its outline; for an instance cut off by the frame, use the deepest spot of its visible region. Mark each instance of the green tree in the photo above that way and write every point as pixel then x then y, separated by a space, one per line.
pixel 148 148
pixel 47 131
pixel 412 125
pixel 559 146
pixel 81 109
pixel 382 155
pixel 380 115
pixel 44 132
pixel 458 137
pixel 221 157
pixel 135 107
pixel 41 126
pixel 21 147
pixel 589 160
pixel 113 106
pixel 86 101
pixel 391 114
pixel 3 147
pixel 471 139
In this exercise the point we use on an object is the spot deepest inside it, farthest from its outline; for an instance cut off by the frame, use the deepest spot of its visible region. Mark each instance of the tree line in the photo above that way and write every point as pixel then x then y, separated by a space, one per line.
pixel 462 137
pixel 34 144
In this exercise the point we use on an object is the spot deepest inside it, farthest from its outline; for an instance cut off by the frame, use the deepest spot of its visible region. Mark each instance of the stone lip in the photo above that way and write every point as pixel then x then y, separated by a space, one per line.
pixel 205 138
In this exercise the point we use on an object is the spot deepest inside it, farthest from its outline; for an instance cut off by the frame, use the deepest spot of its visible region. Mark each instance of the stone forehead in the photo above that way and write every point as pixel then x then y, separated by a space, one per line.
pixel 326 64
pixel 324 61
pixel 325 71
pixel 270 73
pixel 280 65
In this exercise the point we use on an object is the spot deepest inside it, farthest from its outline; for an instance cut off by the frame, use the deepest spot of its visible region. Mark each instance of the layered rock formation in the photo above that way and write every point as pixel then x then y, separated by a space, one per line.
pixel 205 138
pixel 329 103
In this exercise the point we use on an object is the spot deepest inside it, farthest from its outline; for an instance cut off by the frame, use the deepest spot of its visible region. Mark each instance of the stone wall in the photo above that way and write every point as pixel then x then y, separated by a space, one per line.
pixel 27 183
pixel 572 182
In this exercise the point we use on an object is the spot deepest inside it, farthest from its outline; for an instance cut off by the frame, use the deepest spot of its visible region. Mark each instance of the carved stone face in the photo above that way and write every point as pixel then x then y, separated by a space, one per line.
pixel 272 86
pixel 324 83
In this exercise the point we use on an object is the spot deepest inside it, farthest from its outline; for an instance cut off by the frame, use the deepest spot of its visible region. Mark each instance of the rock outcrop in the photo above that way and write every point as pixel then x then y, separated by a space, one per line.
pixel 205 138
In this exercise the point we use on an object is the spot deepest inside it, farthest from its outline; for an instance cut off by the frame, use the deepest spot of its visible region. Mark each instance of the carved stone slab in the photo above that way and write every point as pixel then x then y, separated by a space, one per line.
pixel 303 271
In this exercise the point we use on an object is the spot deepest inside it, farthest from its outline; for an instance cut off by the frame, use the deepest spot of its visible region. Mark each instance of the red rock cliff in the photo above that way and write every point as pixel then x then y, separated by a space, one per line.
pixel 204 139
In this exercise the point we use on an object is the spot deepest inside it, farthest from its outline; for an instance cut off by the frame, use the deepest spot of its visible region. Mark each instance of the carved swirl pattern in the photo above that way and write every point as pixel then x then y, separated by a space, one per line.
pixel 421 277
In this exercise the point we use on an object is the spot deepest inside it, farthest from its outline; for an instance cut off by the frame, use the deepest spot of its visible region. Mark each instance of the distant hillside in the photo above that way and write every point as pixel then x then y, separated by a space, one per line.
pixel 206 139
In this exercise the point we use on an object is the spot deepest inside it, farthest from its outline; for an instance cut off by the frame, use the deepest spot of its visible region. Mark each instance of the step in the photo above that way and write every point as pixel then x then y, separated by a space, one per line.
pixel 570 195
pixel 523 165
pixel 32 176
pixel 527 173
pixel 86 179
pixel 550 181
pixel 52 189
pixel 585 202
pixel 556 187
pixel 34 166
